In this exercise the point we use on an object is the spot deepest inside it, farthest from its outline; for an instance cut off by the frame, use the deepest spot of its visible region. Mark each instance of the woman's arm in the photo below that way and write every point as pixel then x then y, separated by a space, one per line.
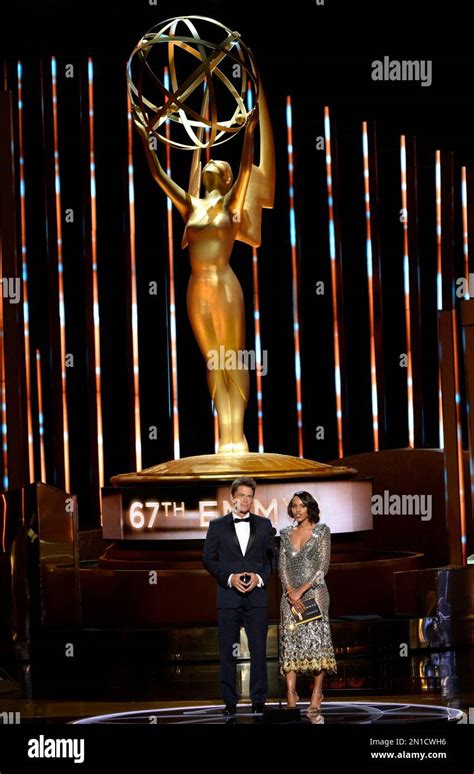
pixel 282 567
pixel 323 561
pixel 180 198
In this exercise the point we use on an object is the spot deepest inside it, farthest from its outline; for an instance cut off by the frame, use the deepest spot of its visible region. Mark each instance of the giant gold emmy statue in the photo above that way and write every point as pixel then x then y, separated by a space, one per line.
pixel 226 210
pixel 221 72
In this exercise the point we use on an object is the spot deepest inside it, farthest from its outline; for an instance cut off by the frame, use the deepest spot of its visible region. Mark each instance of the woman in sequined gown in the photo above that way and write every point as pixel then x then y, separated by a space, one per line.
pixel 305 554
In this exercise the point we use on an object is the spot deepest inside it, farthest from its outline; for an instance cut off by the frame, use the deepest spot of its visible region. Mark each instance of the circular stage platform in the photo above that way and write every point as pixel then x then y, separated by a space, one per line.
pixel 332 713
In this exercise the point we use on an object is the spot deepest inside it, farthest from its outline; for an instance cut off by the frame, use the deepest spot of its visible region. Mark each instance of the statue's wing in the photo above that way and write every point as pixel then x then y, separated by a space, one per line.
pixel 261 187
pixel 260 194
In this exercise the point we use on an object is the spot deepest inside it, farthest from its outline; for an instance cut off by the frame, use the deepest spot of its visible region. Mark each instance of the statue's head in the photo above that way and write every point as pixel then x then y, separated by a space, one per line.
pixel 217 174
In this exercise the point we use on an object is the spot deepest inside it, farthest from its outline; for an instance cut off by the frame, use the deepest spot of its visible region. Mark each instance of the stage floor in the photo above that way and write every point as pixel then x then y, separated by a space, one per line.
pixel 332 712
pixel 378 710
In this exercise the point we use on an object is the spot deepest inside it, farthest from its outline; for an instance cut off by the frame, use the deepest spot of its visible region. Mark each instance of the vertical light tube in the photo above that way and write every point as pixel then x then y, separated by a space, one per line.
pixel 294 272
pixel 258 350
pixel 172 300
pixel 332 257
pixel 26 315
pixel 62 316
pixel 3 400
pixel 439 283
pixel 370 273
pixel 406 286
pixel 462 494
pixel 439 279
pixel 133 294
pixel 256 316
pixel 4 521
pixel 95 280
pixel 3 393
pixel 3 397
pixel 39 386
pixel 465 228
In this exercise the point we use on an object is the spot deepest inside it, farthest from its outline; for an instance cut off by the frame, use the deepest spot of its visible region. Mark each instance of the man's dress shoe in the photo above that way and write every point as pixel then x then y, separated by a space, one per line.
pixel 230 709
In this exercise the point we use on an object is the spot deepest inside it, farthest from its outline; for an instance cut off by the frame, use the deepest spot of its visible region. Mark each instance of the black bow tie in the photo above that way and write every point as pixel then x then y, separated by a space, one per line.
pixel 239 521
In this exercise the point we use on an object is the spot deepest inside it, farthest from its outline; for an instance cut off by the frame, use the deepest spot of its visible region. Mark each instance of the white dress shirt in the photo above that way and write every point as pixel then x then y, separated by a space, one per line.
pixel 243 535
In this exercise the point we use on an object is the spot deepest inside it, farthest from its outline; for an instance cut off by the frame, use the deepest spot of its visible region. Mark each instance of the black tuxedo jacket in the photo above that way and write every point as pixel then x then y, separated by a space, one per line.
pixel 222 556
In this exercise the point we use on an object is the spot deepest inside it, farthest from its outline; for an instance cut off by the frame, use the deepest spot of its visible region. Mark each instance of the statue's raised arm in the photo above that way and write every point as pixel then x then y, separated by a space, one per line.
pixel 180 198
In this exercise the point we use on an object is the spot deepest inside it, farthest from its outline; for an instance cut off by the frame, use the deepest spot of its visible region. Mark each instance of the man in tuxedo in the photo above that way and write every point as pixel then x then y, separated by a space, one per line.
pixel 239 551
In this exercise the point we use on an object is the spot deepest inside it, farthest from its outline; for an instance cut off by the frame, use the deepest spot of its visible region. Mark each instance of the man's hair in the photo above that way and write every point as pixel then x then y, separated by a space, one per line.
pixel 243 481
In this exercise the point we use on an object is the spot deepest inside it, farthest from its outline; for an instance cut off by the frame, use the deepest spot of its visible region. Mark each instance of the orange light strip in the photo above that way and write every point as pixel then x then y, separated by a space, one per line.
pixel 332 256
pixel 172 300
pixel 370 273
pixel 3 399
pixel 95 282
pixel 439 284
pixel 3 393
pixel 465 228
pixel 62 316
pixel 406 284
pixel 465 237
pixel 258 350
pixel 256 317
pixel 462 493
pixel 133 295
pixel 4 521
pixel 39 386
pixel 26 315
pixel 294 272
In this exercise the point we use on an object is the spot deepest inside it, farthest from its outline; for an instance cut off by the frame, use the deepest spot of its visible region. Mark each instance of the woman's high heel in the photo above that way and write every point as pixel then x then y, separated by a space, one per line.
pixel 315 707
pixel 292 705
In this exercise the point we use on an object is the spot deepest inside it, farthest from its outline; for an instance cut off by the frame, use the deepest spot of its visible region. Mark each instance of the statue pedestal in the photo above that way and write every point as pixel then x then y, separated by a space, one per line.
pixel 226 467
pixel 177 499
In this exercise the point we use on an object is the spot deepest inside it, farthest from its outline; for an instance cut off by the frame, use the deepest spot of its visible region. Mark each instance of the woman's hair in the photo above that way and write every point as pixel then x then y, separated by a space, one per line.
pixel 311 504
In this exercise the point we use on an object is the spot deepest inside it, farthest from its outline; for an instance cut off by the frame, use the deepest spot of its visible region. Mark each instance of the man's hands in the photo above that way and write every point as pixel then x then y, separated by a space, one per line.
pixel 237 583
pixel 294 598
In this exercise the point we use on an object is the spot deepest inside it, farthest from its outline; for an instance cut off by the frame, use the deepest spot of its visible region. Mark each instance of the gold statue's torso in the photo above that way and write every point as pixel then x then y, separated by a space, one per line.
pixel 215 305
pixel 211 233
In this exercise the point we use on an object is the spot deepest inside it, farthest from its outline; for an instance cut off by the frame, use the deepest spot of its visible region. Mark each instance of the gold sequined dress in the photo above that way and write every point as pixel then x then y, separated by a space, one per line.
pixel 306 648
